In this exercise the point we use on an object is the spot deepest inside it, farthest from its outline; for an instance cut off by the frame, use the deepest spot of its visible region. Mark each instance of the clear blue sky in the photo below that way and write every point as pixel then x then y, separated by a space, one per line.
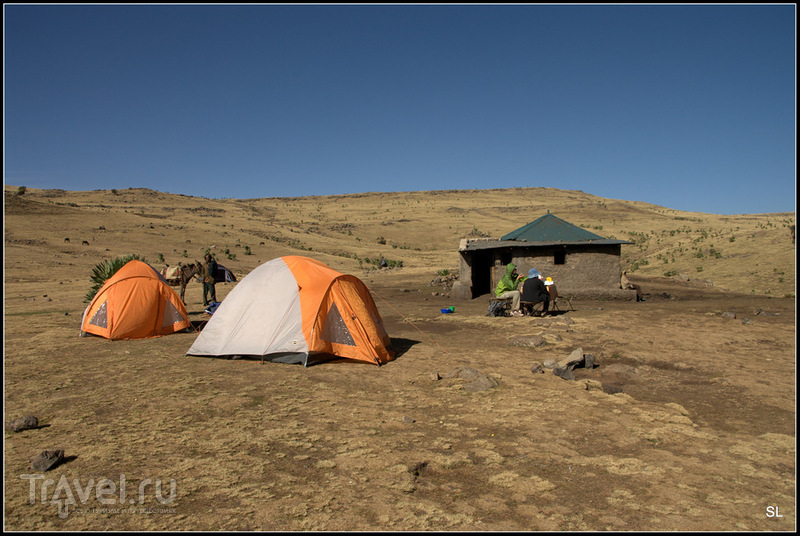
pixel 688 107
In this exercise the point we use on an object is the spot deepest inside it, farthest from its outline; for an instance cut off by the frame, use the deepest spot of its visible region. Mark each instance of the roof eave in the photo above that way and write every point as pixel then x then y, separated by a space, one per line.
pixel 470 245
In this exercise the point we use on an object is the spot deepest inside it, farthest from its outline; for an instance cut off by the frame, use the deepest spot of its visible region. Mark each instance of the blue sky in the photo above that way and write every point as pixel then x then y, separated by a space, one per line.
pixel 688 107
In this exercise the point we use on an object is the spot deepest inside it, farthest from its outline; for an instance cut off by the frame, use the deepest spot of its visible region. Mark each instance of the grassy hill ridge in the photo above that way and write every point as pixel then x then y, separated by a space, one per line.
pixel 73 230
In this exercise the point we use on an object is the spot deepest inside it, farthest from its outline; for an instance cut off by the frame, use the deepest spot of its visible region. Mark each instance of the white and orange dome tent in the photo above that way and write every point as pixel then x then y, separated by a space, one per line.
pixel 294 307
pixel 135 303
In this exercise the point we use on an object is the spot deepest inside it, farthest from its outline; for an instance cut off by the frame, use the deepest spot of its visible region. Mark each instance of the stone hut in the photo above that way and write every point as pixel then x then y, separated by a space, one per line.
pixel 581 263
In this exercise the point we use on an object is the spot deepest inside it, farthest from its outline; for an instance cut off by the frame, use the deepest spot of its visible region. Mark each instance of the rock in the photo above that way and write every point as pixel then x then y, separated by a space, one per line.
pixel 537 368
pixel 464 373
pixel 575 359
pixel 483 383
pixel 479 380
pixel 564 372
pixel 728 314
pixel 435 376
pixel 409 420
pixel 23 423
pixel 550 364
pixel 47 459
pixel 528 341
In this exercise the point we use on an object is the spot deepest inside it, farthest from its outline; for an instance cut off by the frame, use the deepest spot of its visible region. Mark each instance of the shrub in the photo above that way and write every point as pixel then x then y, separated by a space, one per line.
pixel 104 270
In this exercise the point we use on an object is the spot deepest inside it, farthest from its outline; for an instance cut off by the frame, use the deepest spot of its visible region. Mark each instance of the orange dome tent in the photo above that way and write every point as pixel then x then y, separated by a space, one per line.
pixel 135 303
pixel 292 307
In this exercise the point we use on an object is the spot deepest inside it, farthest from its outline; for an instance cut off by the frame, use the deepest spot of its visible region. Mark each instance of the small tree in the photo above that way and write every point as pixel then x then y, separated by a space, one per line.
pixel 104 270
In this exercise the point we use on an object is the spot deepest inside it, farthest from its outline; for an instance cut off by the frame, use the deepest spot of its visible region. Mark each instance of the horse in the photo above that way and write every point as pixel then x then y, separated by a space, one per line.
pixel 185 274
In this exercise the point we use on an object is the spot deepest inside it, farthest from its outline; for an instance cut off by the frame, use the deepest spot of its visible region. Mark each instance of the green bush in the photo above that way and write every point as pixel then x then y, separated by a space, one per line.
pixel 104 270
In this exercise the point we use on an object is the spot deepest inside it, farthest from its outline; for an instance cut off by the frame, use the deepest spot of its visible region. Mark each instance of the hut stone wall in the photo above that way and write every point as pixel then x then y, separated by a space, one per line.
pixel 583 267
pixel 592 271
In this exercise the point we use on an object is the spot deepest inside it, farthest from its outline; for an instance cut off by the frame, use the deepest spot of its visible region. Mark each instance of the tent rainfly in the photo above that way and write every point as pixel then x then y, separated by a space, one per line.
pixel 135 303
pixel 296 310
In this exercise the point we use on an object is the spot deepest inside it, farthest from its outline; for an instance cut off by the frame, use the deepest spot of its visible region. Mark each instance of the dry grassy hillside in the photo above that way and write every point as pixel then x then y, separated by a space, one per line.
pixel 684 421
pixel 752 253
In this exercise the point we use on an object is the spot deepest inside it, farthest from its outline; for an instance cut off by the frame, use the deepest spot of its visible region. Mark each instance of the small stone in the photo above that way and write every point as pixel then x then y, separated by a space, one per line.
pixel 47 459
pixel 537 368
pixel 483 383
pixel 435 376
pixel 24 423
pixel 564 372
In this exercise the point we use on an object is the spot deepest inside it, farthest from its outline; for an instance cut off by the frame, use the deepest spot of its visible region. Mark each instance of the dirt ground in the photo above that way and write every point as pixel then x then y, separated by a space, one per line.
pixel 686 423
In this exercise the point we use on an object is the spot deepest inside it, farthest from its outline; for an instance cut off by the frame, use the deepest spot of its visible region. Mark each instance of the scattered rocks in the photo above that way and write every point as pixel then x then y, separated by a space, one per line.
pixel 47 459
pixel 23 423
pixel 728 314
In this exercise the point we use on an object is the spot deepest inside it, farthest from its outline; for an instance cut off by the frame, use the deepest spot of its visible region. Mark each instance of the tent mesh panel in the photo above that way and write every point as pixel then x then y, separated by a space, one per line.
pixel 171 315
pixel 335 330
pixel 100 317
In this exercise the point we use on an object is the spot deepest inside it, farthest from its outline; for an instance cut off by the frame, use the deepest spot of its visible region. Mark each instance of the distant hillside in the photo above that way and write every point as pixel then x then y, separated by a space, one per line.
pixel 751 253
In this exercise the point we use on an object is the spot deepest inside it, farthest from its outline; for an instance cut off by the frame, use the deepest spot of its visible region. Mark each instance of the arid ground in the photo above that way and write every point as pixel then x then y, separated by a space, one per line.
pixel 686 422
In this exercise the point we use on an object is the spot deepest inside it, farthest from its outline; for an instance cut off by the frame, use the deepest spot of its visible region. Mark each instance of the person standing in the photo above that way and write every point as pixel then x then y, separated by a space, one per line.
pixel 209 283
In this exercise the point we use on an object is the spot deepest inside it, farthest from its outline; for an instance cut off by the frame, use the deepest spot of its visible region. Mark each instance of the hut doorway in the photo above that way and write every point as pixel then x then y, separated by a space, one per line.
pixel 482 263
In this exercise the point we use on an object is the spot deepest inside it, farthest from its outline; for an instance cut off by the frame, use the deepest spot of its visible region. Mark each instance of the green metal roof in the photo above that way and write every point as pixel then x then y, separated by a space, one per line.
pixel 550 228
